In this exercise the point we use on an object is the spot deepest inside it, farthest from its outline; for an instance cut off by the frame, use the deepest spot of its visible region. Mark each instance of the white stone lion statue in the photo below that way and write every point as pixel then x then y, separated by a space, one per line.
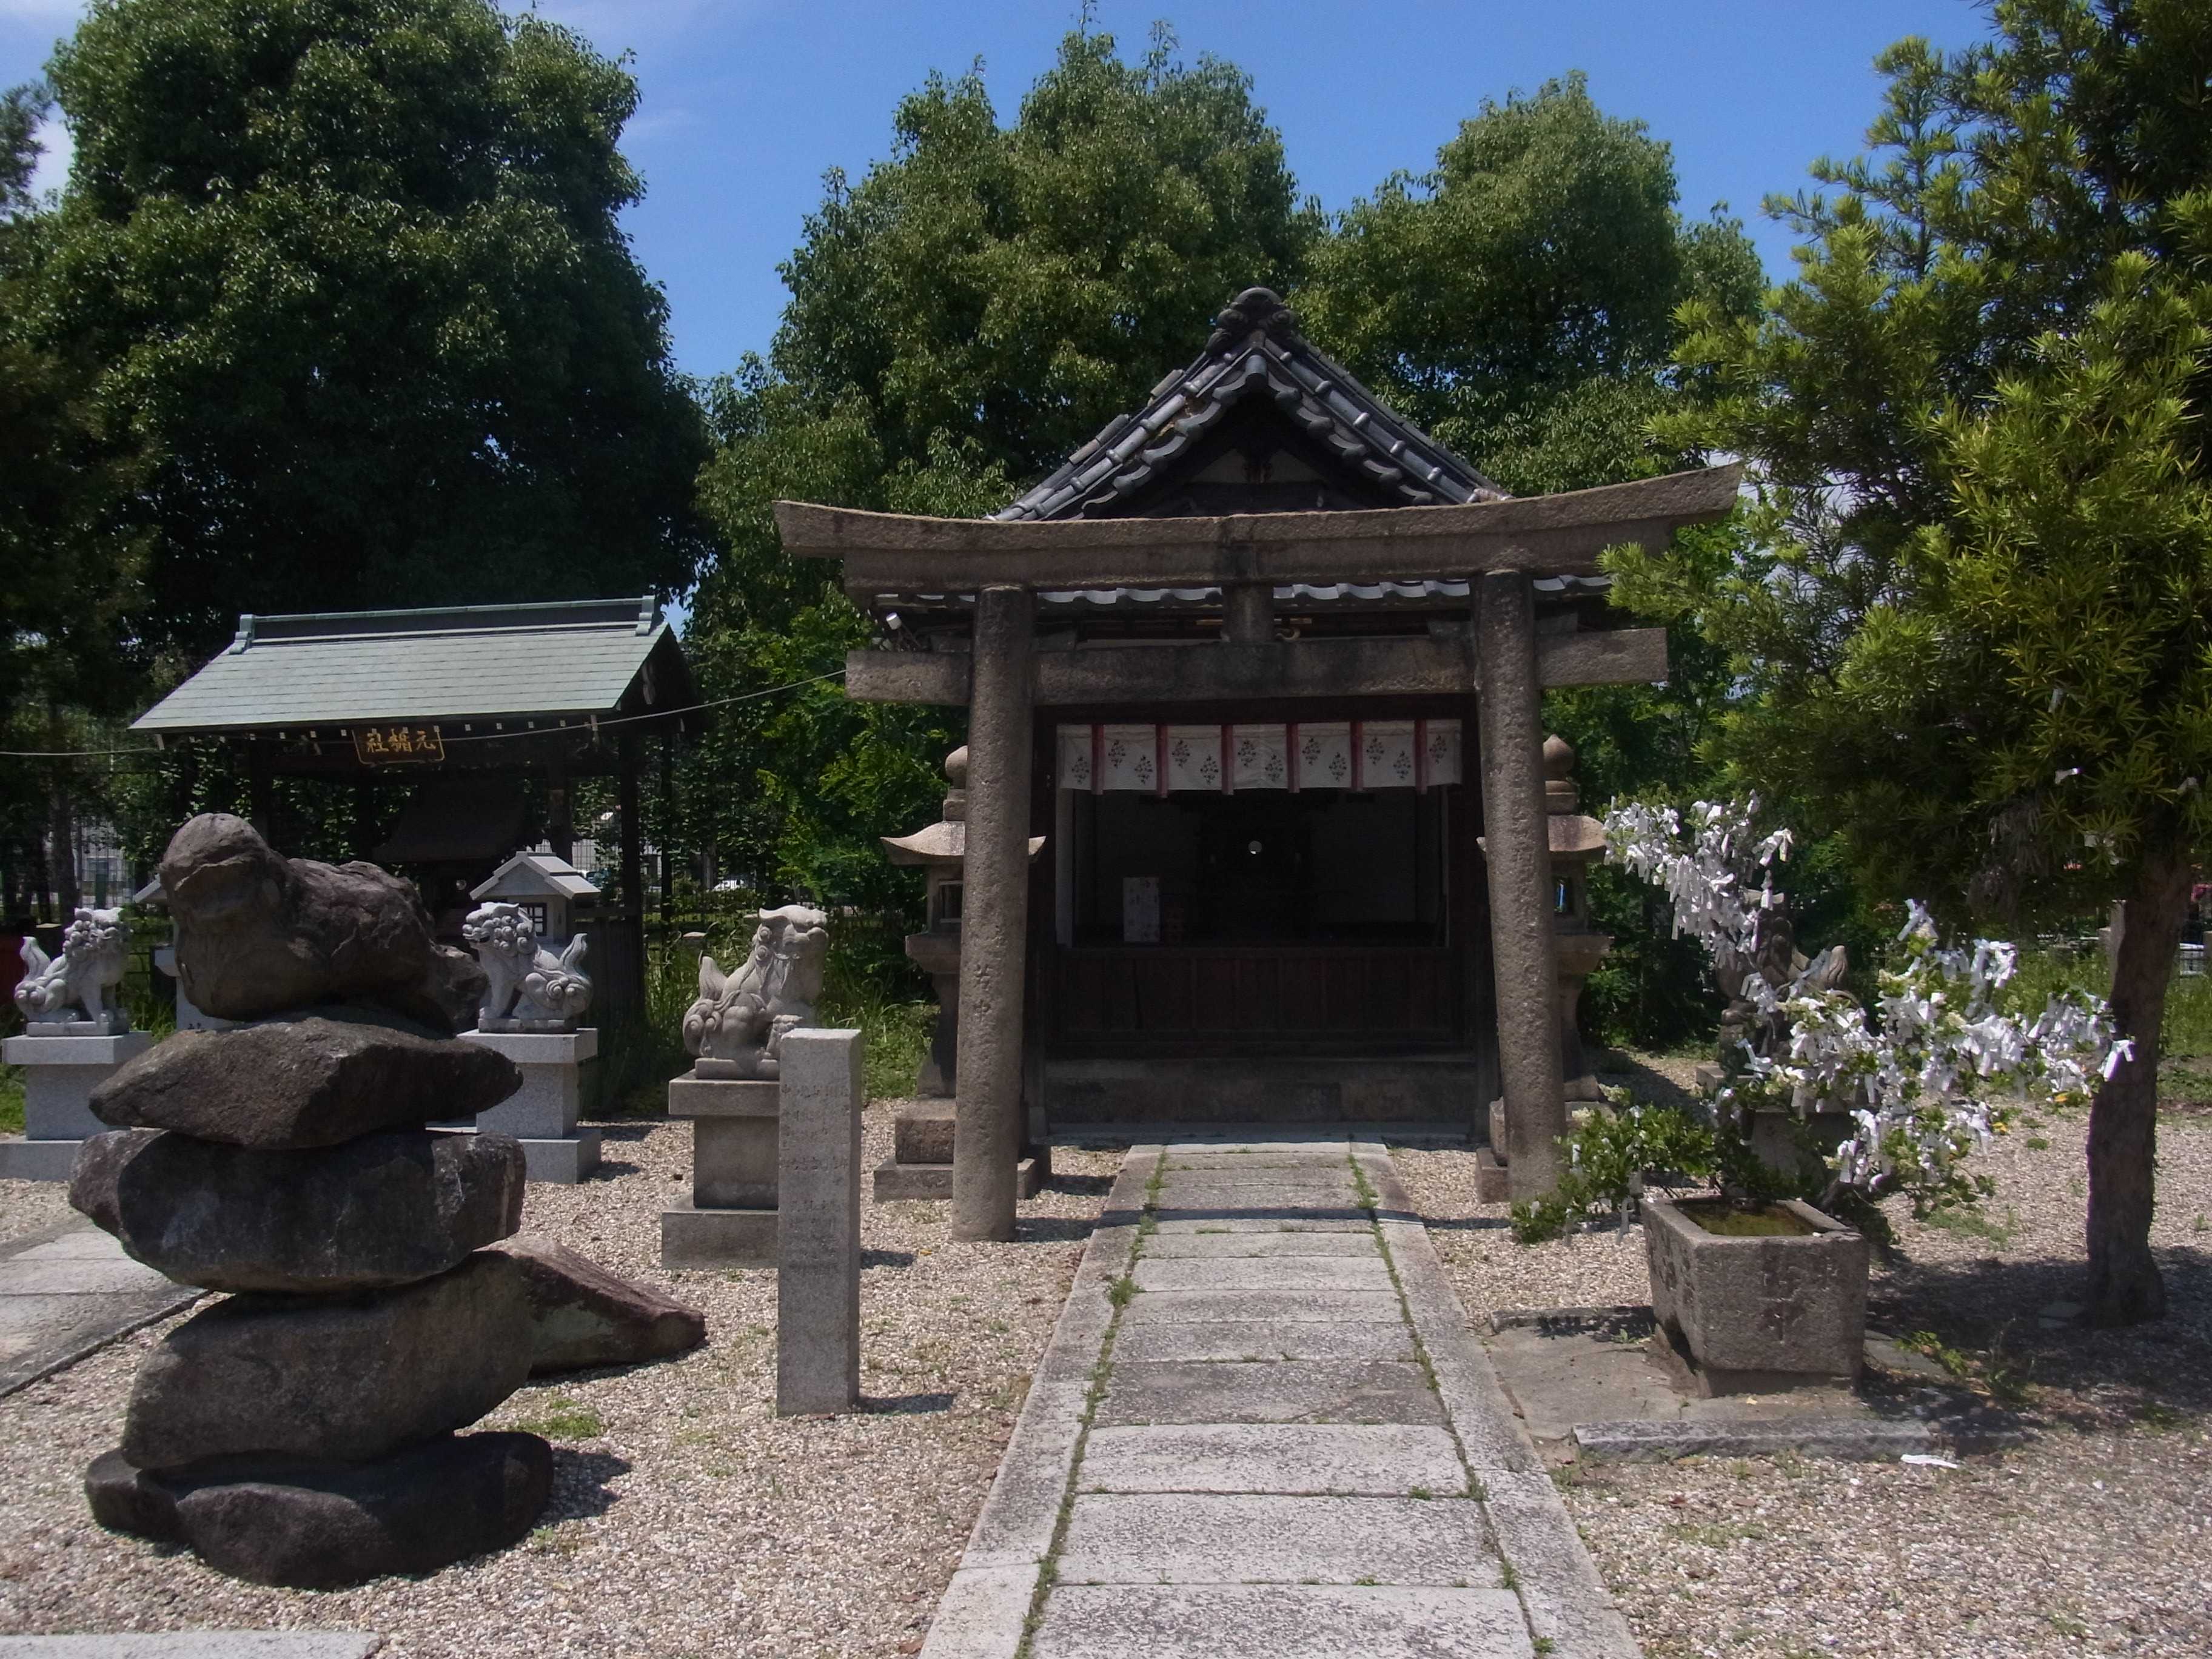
pixel 94 947
pixel 737 1025
pixel 526 982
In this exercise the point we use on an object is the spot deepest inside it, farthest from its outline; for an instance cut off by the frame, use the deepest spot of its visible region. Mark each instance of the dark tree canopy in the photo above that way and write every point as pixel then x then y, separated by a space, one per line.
pixel 1019 285
pixel 351 276
pixel 1518 300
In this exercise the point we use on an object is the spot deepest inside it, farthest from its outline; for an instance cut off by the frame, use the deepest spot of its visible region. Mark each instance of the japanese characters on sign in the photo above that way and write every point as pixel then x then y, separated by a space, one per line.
pixel 398 745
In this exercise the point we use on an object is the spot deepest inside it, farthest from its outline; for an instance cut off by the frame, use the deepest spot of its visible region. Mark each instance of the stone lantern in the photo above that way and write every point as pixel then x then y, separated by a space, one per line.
pixel 1575 842
pixel 920 1165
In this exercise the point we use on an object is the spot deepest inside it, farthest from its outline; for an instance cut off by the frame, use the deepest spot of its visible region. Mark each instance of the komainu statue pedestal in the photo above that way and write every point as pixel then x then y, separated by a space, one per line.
pixel 729 1221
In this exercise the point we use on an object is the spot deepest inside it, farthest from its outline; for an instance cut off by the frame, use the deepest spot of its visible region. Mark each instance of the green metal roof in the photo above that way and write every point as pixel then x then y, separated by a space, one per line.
pixel 574 659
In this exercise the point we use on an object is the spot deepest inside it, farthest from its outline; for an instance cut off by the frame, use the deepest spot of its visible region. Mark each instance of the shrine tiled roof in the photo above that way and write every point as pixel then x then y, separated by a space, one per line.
pixel 577 659
pixel 1256 351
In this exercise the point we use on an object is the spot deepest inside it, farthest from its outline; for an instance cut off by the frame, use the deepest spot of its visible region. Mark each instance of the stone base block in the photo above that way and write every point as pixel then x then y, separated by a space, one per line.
pixel 1492 1182
pixel 546 1106
pixel 60 1074
pixel 563 1160
pixel 895 1181
pixel 1714 1382
pixel 692 1236
pixel 37 1160
pixel 923 1133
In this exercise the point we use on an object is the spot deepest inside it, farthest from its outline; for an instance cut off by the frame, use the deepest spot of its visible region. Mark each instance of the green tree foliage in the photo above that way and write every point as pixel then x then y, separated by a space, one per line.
pixel 976 305
pixel 69 564
pixel 1518 300
pixel 349 275
pixel 1970 614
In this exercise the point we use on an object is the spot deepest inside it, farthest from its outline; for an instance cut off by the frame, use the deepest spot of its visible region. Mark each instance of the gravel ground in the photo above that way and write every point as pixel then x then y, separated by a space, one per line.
pixel 2093 1534
pixel 30 1206
pixel 687 1519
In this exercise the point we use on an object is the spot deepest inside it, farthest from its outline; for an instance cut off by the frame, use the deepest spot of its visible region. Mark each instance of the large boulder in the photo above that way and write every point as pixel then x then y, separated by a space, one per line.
pixel 379 1211
pixel 259 933
pixel 304 1080
pixel 318 1526
pixel 581 1315
pixel 342 1381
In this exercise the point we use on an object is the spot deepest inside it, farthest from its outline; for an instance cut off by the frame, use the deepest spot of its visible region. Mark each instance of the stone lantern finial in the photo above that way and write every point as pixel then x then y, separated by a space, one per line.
pixel 955 773
pixel 1560 794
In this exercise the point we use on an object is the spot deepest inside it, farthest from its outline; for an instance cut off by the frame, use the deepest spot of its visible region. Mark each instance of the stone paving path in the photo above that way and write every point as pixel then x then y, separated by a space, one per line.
pixel 68 1291
pixel 1263 1429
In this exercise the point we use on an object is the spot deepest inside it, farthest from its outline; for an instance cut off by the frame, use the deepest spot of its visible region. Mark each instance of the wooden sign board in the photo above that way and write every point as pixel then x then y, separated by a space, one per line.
pixel 399 744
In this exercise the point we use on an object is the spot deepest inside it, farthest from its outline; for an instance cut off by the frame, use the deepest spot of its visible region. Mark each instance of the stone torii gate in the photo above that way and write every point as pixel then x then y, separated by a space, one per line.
pixel 1500 548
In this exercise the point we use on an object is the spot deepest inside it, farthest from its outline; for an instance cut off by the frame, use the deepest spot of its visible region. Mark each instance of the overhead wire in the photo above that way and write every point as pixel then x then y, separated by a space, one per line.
pixel 594 726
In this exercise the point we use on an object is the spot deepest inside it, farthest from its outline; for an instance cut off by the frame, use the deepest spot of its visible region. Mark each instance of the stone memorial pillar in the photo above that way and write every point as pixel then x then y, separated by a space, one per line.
pixel 1518 853
pixel 817 1293
pixel 986 1146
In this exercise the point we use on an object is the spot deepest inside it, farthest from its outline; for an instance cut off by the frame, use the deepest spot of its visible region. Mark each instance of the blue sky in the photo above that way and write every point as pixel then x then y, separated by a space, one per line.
pixel 745 103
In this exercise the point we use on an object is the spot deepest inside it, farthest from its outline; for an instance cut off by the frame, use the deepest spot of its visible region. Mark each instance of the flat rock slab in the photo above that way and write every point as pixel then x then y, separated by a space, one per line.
pixel 1318 1458
pixel 1188 1307
pixel 1194 1538
pixel 1278 1391
pixel 1273 1621
pixel 1332 1197
pixel 381 1210
pixel 581 1315
pixel 198 1644
pixel 1284 1178
pixel 303 1080
pixel 69 1292
pixel 1865 1440
pixel 344 1380
pixel 1258 1341
pixel 1209 1224
pixel 1172 1246
pixel 1276 1218
pixel 1264 1274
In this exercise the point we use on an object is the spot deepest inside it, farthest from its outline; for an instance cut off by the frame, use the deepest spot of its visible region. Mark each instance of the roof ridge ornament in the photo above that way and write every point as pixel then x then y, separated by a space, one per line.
pixel 1255 313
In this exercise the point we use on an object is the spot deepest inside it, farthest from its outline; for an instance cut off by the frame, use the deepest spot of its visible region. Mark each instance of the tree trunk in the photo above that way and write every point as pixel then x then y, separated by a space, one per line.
pixel 2124 1287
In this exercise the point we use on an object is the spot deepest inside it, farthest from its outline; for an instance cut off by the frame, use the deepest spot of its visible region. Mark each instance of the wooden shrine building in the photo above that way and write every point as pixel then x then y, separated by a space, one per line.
pixel 484 715
pixel 1263 663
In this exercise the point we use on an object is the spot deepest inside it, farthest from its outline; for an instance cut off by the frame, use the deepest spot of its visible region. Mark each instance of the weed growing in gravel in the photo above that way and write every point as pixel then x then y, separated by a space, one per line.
pixel 563 1419
pixel 1122 1291
pixel 1973 1224
pixel 1507 1578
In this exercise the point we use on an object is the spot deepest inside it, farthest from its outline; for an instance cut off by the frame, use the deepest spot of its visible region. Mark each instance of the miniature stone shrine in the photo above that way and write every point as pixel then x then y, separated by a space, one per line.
pixel 73 1039
pixel 533 1002
pixel 303 1431
pixel 1577 841
pixel 736 1030
pixel 920 1164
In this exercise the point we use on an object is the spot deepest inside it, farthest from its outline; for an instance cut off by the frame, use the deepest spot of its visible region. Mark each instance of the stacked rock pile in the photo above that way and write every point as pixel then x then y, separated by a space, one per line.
pixel 302 1432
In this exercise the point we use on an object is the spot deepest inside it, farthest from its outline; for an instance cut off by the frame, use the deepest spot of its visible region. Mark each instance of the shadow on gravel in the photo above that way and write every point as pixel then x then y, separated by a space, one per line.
pixel 906 1405
pixel 887 1258
pixel 2006 1327
pixel 1053 1229
pixel 579 1484
pixel 1076 1183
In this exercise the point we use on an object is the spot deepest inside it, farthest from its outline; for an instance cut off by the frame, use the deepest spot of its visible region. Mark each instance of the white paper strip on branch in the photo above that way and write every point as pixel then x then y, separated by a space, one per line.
pixel 1389 754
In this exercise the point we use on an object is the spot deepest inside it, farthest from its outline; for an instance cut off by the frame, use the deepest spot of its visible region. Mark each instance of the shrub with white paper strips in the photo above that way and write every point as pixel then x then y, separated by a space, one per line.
pixel 1930 1077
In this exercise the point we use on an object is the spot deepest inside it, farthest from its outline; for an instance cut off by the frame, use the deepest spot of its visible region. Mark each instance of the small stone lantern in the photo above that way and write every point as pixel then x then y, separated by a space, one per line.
pixel 920 1165
pixel 1577 842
